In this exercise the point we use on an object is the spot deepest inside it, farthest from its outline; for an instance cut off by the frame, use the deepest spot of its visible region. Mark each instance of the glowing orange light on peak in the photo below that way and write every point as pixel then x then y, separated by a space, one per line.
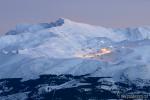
pixel 99 53
pixel 105 50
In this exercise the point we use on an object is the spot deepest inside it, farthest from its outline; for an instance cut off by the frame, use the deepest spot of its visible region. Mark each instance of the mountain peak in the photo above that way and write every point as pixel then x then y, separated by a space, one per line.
pixel 58 22
pixel 61 21
pixel 21 28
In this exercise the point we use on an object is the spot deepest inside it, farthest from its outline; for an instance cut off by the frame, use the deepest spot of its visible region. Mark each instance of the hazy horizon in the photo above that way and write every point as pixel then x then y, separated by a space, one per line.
pixel 106 13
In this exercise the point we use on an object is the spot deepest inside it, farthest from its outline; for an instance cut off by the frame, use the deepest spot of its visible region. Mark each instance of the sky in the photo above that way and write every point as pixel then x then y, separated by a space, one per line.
pixel 106 13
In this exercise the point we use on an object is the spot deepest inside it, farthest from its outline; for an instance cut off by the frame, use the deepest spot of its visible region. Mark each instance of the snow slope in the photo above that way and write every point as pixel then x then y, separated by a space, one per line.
pixel 51 48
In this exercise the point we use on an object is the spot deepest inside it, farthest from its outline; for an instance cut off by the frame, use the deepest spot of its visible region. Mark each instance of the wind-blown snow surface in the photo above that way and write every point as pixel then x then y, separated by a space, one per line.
pixel 51 48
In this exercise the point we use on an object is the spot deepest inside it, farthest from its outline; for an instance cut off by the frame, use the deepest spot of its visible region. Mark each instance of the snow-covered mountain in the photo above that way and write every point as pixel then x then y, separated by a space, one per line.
pixel 64 46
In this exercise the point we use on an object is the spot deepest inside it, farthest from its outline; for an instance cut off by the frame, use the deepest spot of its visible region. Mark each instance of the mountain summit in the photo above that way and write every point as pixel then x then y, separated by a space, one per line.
pixel 68 47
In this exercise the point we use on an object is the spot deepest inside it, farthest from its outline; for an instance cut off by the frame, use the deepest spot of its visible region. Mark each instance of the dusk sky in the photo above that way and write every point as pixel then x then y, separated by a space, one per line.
pixel 107 13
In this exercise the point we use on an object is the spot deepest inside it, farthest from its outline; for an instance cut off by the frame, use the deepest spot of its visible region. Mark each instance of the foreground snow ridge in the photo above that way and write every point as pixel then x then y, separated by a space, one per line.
pixel 68 47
